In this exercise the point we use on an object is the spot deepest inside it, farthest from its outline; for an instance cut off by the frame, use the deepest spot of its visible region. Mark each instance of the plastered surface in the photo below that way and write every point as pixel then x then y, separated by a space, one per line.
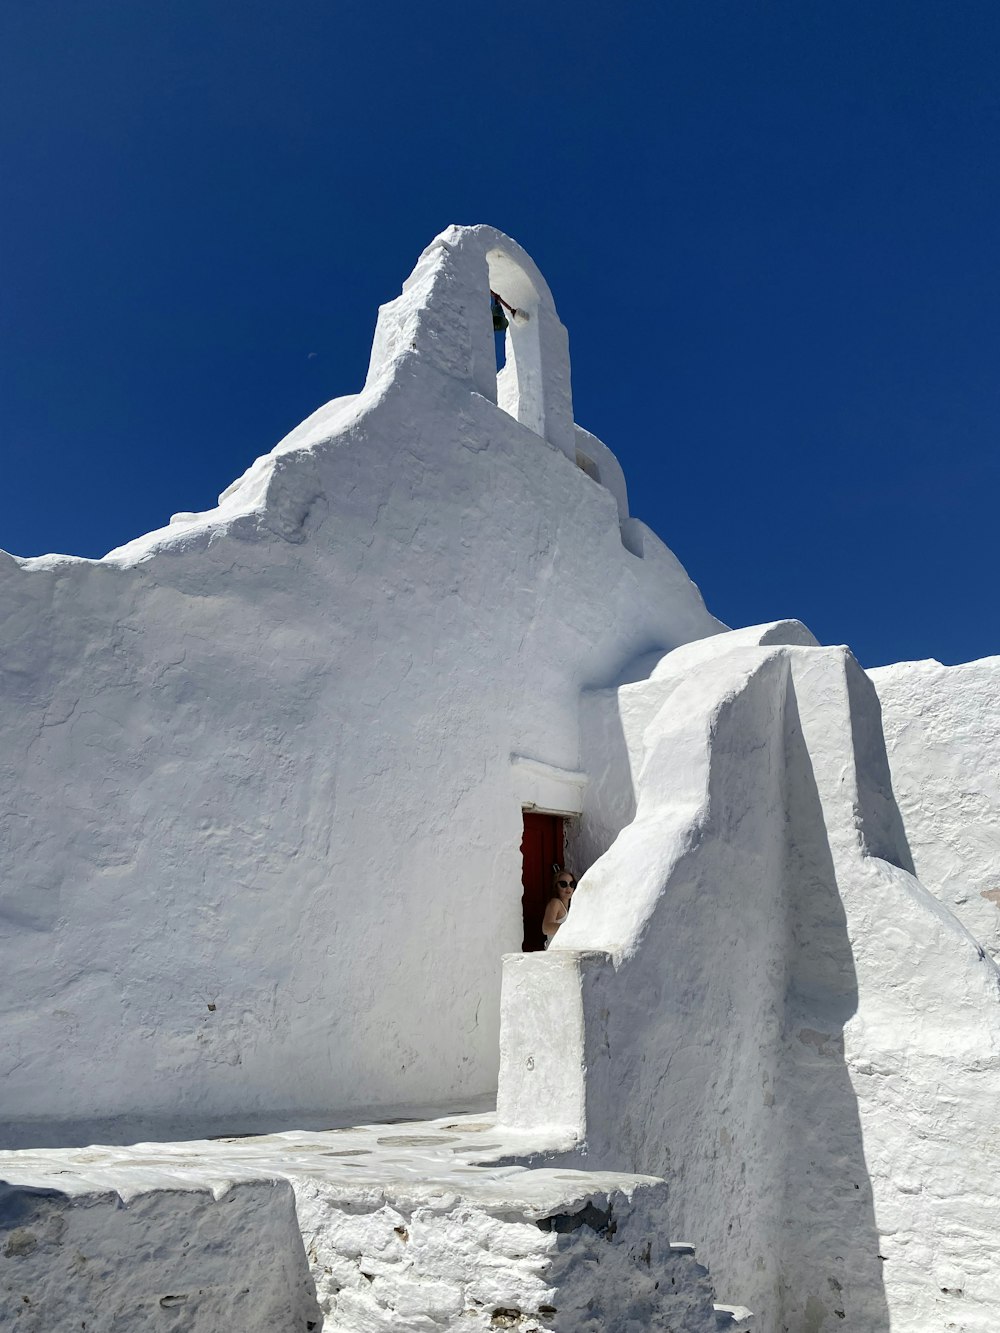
pixel 261 827
pixel 790 1027
pixel 942 731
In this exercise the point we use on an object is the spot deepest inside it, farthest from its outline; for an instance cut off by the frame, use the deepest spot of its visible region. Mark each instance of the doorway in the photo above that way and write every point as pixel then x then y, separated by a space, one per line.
pixel 541 849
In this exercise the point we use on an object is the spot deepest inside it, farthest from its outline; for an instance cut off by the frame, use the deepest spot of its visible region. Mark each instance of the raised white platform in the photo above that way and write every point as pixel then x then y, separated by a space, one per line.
pixel 422 1225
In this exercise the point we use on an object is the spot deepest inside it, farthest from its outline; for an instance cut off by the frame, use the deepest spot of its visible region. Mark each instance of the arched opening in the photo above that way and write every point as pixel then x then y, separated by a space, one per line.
pixel 519 372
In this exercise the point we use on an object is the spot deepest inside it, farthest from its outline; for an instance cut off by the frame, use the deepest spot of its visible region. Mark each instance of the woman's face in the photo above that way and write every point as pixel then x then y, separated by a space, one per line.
pixel 566 885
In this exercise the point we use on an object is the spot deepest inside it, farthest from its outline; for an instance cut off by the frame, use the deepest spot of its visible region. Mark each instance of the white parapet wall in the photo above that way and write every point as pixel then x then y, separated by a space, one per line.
pixel 790 1027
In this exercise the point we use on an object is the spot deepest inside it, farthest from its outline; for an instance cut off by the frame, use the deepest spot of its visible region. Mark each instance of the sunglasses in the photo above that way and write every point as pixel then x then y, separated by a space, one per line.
pixel 565 883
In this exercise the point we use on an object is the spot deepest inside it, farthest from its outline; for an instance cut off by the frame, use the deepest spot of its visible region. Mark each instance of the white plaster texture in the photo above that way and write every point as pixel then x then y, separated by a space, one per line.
pixel 181 1255
pixel 789 1027
pixel 261 828
pixel 942 732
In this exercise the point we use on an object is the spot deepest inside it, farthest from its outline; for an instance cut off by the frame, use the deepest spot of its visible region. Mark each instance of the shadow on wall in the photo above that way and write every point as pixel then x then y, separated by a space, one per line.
pixel 117 1131
pixel 716 1051
pixel 610 796
pixel 830 1267
pixel 881 821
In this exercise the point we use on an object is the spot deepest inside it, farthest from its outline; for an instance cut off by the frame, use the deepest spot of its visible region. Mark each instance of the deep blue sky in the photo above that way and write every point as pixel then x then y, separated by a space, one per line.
pixel 772 229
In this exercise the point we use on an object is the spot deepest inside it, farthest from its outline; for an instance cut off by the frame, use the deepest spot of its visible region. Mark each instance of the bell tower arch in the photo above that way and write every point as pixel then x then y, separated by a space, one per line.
pixel 533 386
pixel 441 325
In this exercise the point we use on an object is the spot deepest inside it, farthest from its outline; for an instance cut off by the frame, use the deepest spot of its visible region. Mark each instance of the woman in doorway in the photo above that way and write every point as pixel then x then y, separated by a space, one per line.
pixel 557 909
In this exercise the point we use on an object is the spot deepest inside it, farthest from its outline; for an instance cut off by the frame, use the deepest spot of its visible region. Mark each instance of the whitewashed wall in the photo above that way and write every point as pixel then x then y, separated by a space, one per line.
pixel 260 842
pixel 942 731
pixel 770 1010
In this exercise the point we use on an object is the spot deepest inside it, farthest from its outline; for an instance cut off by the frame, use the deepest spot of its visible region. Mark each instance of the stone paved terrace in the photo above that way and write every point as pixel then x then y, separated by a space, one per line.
pixel 420 1225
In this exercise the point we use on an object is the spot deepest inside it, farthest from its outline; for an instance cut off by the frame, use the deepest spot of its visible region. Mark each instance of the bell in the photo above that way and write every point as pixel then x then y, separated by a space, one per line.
pixel 500 321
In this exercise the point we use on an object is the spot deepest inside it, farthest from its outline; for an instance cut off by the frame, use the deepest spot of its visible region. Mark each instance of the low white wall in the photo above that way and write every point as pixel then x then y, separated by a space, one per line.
pixel 792 1031
pixel 163 1258
pixel 261 829
pixel 942 732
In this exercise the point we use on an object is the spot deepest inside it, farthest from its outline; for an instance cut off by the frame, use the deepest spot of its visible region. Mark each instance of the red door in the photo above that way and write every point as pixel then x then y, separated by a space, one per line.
pixel 541 849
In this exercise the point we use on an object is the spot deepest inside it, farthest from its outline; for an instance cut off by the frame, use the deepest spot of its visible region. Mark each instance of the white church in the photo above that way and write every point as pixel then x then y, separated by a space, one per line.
pixel 284 785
